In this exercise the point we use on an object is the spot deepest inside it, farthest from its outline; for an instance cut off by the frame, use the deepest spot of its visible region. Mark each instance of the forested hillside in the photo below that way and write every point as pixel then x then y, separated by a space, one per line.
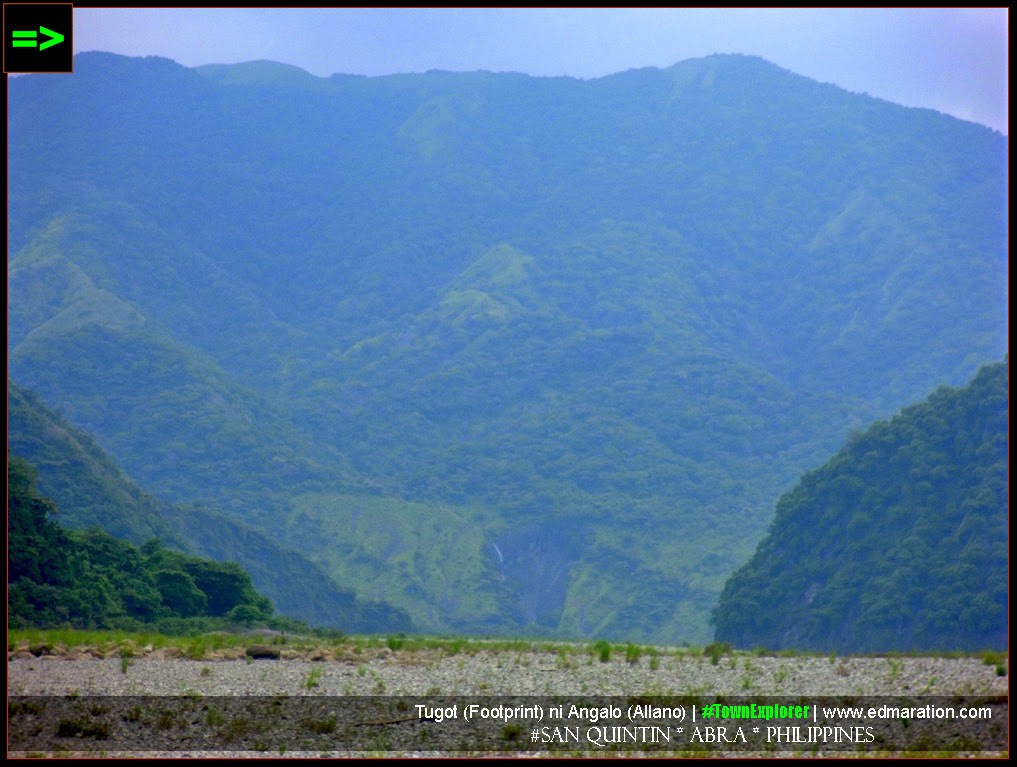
pixel 88 579
pixel 899 542
pixel 512 354
pixel 91 492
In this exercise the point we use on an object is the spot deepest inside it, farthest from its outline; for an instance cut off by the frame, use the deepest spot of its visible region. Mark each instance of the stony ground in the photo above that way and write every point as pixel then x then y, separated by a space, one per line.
pixel 435 673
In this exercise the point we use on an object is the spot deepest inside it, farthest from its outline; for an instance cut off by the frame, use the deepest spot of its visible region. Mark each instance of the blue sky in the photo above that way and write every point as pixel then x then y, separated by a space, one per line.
pixel 951 60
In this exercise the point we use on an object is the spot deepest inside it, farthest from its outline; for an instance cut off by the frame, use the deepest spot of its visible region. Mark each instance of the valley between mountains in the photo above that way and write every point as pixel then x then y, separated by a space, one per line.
pixel 495 355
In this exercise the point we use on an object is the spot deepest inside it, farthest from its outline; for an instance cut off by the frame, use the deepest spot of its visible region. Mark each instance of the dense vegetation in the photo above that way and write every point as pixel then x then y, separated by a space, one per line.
pixel 898 543
pixel 91 491
pixel 512 354
pixel 88 579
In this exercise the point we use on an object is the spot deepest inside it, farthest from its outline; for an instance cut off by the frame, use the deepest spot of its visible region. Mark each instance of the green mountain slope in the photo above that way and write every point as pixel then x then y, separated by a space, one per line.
pixel 562 315
pixel 76 331
pixel 87 485
pixel 898 543
pixel 90 579
pixel 91 491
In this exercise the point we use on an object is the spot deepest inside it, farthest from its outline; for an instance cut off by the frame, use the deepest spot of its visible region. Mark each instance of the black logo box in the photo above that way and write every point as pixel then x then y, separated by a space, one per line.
pixel 59 58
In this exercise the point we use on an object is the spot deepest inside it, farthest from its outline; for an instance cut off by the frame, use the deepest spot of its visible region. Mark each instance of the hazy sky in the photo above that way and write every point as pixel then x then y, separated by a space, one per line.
pixel 952 60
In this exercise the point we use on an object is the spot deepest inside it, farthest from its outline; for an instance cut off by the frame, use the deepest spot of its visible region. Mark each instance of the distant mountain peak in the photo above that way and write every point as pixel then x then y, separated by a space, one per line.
pixel 264 72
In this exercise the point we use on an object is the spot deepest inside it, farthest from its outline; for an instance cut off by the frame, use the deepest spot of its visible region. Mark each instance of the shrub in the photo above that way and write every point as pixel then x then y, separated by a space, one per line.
pixel 632 653
pixel 715 650
pixel 245 614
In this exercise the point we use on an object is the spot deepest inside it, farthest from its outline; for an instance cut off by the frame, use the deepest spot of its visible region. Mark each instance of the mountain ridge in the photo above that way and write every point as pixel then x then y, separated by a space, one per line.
pixel 897 542
pixel 621 305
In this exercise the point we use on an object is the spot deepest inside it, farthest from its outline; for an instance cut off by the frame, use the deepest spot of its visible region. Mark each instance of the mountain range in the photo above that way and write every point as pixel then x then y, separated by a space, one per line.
pixel 508 354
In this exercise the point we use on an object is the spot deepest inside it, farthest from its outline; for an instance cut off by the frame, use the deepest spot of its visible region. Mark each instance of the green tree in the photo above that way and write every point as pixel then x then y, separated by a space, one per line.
pixel 180 594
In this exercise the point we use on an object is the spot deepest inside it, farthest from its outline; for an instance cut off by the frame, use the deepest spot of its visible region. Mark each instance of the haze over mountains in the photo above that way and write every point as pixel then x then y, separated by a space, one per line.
pixel 511 354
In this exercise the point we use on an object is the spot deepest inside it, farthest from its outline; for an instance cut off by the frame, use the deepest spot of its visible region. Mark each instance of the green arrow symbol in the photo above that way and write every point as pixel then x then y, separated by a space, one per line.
pixel 55 38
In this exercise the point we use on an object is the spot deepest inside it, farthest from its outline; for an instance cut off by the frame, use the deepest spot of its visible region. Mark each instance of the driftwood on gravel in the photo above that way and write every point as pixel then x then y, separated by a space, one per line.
pixel 263 652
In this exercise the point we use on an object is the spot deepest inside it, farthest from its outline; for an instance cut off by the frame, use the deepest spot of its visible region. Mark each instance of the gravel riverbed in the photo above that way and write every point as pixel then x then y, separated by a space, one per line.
pixel 508 673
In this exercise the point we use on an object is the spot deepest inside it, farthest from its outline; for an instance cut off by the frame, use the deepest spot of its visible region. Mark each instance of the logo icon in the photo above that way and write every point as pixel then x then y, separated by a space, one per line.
pixel 38 38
